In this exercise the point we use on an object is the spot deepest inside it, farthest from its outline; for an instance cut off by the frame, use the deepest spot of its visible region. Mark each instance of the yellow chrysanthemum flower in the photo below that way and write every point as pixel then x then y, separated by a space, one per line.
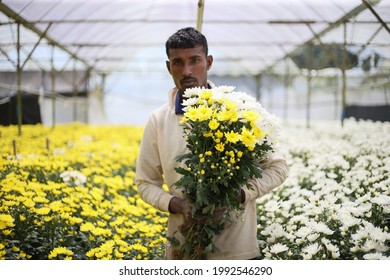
pixel 60 251
pixel 139 247
pixel 232 137
pixel 230 105
pixel 206 94
pixel 6 221
pixel 29 203
pixel 184 119
pixel 220 147
pixel 258 132
pixel 218 134
pixel 224 115
pixel 56 206
pixel 250 116
pixel 204 113
pixel 248 138
pixel 192 114
pixel 88 226
pixel 43 211
pixel 213 124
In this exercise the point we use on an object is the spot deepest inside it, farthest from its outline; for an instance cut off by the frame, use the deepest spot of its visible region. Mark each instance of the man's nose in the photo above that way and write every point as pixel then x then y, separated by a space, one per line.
pixel 187 70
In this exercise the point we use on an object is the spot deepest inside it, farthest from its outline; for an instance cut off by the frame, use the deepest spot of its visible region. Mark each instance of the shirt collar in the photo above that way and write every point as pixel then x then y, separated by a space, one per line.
pixel 178 105
pixel 178 102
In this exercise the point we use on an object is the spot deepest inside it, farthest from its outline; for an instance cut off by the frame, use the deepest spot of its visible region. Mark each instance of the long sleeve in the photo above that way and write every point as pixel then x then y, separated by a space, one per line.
pixel 149 174
pixel 274 173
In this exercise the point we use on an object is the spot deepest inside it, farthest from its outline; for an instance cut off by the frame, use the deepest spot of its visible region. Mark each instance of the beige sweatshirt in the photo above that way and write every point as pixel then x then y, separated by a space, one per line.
pixel 162 142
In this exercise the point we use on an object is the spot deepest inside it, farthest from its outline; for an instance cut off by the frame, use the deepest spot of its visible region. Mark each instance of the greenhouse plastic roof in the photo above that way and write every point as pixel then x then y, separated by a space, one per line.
pixel 244 36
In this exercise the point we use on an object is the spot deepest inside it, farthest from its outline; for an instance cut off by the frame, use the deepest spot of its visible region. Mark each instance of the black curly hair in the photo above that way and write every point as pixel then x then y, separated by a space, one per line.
pixel 185 38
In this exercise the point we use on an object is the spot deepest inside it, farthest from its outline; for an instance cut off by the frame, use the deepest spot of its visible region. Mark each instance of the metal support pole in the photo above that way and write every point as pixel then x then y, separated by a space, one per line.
pixel 53 88
pixel 336 96
pixel 19 82
pixel 309 89
pixel 344 76
pixel 86 80
pixel 199 21
pixel 258 87
pixel 308 98
pixel 74 91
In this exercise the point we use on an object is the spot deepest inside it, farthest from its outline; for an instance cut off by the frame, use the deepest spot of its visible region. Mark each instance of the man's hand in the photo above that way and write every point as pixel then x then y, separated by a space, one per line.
pixel 182 206
pixel 241 195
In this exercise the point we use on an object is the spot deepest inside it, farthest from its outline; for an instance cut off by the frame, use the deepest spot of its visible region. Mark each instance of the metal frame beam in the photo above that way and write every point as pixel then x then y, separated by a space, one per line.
pixel 19 19
pixel 369 6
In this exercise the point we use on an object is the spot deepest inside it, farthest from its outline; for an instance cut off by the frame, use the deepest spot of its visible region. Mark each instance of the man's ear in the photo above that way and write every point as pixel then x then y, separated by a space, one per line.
pixel 209 61
pixel 168 64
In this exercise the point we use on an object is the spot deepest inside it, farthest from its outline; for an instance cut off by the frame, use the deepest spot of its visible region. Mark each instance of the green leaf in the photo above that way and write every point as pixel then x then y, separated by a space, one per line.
pixel 209 248
pixel 174 241
pixel 209 209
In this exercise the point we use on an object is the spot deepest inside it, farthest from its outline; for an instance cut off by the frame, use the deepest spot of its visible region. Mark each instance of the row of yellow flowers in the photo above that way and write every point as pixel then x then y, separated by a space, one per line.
pixel 69 193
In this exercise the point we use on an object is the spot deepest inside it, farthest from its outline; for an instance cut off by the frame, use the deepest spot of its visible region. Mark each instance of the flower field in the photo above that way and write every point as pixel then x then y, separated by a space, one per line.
pixel 69 193
pixel 335 203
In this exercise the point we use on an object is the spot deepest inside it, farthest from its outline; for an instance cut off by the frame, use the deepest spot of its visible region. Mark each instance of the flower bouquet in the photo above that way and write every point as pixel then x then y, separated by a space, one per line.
pixel 228 133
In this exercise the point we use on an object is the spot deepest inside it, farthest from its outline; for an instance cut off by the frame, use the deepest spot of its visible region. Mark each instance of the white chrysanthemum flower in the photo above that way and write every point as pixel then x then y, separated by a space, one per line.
pixel 278 248
pixel 333 249
pixel 335 254
pixel 226 89
pixel 192 92
pixel 347 191
pixel 383 185
pixel 370 245
pixel 357 210
pixel 189 102
pixel 59 151
pixel 381 199
pixel 348 220
pixel 267 255
pixel 272 206
pixel 309 251
pixel 303 232
pixel 320 227
pixel 274 230
pixel 378 234
pixel 361 234
pixel 313 237
pixel 73 177
pixel 375 256
pixel 299 219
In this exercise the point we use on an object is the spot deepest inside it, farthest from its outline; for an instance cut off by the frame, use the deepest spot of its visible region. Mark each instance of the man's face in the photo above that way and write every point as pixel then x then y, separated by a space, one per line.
pixel 189 67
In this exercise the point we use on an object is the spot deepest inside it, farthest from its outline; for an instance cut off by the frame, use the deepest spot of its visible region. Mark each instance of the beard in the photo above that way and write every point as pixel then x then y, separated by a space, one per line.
pixel 188 82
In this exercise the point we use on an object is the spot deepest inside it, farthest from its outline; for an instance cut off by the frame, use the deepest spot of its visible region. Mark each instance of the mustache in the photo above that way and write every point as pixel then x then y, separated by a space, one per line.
pixel 188 79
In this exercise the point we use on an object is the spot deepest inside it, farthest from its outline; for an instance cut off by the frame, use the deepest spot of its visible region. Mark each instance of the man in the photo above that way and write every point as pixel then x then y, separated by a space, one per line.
pixel 188 63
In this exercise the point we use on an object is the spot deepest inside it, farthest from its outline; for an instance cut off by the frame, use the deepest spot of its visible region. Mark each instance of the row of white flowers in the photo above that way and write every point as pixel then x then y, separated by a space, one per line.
pixel 335 203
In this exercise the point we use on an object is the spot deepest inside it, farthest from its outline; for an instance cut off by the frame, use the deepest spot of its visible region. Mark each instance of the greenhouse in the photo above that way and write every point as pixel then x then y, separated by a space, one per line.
pixel 79 80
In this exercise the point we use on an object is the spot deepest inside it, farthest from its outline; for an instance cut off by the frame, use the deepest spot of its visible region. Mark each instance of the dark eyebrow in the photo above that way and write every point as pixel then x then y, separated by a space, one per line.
pixel 191 57
pixel 196 56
